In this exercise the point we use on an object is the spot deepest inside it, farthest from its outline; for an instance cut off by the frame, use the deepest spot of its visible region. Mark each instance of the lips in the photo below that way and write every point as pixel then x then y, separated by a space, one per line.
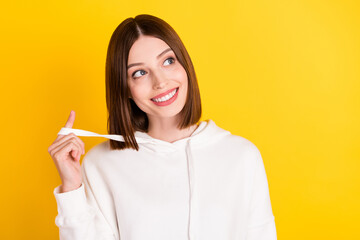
pixel 165 101
pixel 164 93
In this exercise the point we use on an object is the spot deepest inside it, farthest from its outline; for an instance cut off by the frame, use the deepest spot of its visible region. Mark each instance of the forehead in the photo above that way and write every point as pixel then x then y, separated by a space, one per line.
pixel 146 47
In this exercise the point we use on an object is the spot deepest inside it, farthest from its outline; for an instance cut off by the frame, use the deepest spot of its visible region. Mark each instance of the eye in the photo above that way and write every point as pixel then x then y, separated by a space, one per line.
pixel 170 60
pixel 136 75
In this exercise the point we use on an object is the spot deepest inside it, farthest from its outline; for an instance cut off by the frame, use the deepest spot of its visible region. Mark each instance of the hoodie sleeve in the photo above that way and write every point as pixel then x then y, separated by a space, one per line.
pixel 79 216
pixel 261 224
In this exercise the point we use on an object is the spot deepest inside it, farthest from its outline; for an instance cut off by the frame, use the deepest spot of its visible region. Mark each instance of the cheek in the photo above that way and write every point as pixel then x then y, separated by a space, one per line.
pixel 184 79
pixel 133 91
pixel 181 75
pixel 184 86
pixel 139 91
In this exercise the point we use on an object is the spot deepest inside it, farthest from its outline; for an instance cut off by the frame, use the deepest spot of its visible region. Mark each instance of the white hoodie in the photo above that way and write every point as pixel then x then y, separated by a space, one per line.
pixel 209 186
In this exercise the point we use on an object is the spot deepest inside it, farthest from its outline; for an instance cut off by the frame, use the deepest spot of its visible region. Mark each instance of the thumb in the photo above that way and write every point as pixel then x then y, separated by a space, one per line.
pixel 70 120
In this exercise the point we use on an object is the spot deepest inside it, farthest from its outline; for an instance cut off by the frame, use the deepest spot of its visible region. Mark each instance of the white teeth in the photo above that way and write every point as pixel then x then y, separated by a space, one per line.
pixel 166 97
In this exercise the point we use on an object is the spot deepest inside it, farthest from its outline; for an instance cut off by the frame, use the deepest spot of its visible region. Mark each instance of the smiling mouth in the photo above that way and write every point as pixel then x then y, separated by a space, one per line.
pixel 165 98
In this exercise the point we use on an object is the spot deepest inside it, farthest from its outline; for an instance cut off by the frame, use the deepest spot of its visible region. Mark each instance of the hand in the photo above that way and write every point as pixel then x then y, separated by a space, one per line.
pixel 66 151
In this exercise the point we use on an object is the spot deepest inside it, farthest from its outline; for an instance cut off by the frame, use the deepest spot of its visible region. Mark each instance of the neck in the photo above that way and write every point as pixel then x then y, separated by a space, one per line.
pixel 166 129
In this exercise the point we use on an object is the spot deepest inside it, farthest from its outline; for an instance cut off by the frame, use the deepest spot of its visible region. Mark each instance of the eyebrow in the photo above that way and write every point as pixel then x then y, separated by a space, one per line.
pixel 162 53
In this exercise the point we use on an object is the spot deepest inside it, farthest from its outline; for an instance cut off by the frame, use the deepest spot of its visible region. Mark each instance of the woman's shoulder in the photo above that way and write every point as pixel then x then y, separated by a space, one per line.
pixel 228 138
pixel 241 141
pixel 235 145
pixel 240 145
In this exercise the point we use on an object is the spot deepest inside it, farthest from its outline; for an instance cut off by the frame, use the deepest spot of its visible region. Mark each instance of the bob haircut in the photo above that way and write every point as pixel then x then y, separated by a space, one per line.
pixel 124 116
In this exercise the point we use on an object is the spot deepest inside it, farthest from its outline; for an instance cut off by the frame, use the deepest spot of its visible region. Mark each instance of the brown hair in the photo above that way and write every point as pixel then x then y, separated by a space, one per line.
pixel 124 116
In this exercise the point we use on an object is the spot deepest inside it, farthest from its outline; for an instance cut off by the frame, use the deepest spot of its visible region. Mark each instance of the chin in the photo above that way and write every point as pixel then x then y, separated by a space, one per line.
pixel 168 113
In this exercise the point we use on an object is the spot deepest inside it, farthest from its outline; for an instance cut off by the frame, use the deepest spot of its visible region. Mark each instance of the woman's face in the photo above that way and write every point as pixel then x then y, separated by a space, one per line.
pixel 157 81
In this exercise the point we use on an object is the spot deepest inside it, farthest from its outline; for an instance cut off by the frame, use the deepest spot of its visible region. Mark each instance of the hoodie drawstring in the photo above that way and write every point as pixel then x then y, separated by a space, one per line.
pixel 192 196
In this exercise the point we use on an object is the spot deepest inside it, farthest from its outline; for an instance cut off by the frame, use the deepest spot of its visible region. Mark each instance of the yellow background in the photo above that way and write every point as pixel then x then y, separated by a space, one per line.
pixel 283 74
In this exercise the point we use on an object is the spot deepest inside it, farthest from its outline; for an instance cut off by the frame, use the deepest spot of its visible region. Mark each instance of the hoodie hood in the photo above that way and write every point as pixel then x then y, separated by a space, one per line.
pixel 206 132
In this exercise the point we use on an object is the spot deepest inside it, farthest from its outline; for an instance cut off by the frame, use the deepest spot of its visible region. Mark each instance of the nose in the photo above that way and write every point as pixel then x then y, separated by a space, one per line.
pixel 159 81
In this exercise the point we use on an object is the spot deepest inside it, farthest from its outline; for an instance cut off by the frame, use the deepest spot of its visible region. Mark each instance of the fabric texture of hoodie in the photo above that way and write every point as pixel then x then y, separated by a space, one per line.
pixel 209 186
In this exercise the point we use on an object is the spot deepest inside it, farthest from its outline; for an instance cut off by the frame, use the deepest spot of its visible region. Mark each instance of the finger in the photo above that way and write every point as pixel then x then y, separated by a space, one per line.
pixel 72 149
pixel 61 140
pixel 67 146
pixel 70 120
pixel 77 155
pixel 74 153
pixel 67 138
pixel 64 153
pixel 69 123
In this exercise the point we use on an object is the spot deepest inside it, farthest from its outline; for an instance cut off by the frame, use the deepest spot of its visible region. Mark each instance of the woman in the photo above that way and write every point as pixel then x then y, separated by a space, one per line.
pixel 163 174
